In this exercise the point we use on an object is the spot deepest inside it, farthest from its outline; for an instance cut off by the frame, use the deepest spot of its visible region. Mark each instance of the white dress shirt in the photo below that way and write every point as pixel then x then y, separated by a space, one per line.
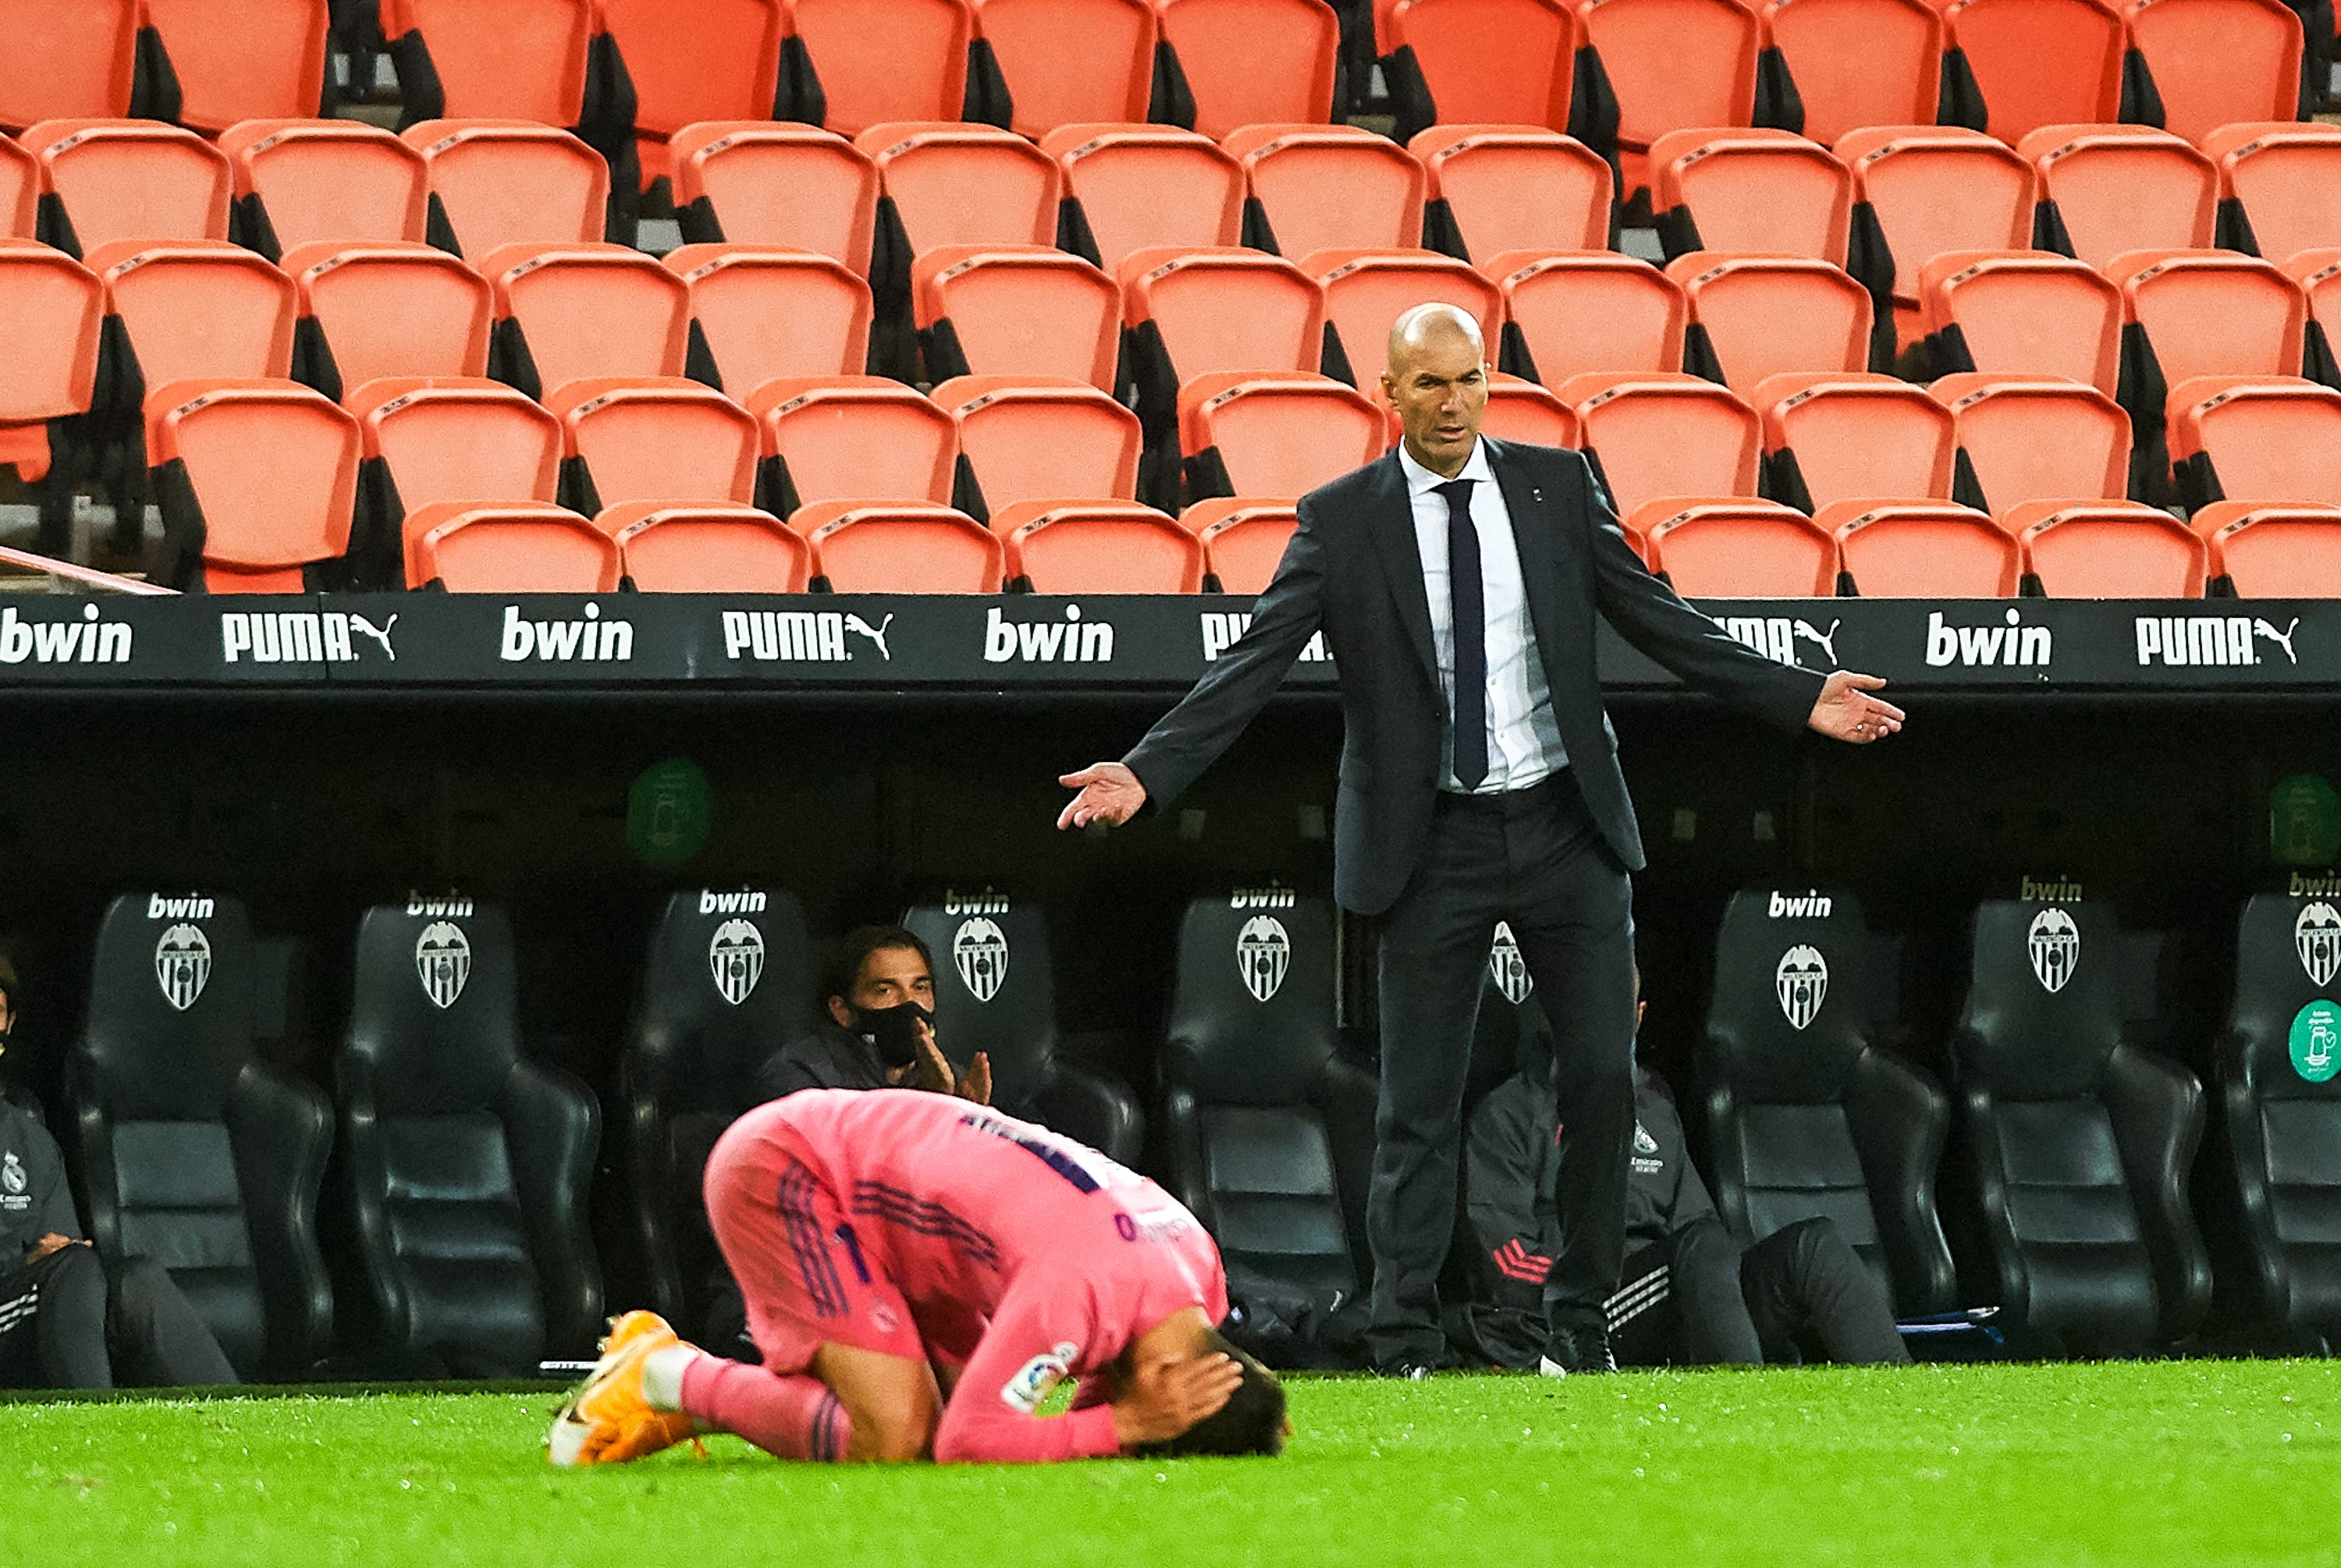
pixel 1523 742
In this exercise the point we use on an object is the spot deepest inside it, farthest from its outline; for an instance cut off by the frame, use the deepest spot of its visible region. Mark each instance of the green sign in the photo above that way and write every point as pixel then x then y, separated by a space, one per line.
pixel 669 812
pixel 2317 1041
pixel 2303 822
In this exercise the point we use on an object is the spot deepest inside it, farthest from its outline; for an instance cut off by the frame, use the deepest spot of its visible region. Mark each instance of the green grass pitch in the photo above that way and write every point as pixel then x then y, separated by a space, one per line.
pixel 2165 1463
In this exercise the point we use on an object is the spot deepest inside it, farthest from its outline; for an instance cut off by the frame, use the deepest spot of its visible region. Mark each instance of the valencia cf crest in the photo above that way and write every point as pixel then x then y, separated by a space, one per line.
pixel 1802 980
pixel 2055 947
pixel 1263 953
pixel 2317 937
pixel 182 962
pixel 1506 967
pixel 443 958
pixel 736 957
pixel 980 949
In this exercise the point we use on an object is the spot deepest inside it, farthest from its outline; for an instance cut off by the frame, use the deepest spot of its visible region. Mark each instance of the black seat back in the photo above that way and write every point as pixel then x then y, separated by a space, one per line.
pixel 995 987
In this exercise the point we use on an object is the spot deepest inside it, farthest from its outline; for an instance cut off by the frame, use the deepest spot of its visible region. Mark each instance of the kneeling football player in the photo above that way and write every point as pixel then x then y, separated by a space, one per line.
pixel 920 1273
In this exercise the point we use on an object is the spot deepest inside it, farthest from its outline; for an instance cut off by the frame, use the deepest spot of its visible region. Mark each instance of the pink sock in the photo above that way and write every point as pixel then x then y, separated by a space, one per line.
pixel 792 1416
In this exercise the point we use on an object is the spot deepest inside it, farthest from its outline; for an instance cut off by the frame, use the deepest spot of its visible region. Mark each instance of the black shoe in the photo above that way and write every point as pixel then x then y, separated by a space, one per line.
pixel 1576 1348
pixel 1415 1365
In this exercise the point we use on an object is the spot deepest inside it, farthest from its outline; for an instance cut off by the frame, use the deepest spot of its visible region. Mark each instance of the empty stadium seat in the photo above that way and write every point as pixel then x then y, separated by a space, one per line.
pixel 1750 190
pixel 850 64
pixel 2276 550
pixel 1280 436
pixel 1930 189
pixel 196 1153
pixel 1665 434
pixel 1755 315
pixel 253 60
pixel 761 312
pixel 1021 440
pixel 1132 187
pixel 1519 410
pixel 952 185
pixel 20 192
pixel 256 480
pixel 367 310
pixel 1098 546
pixel 664 439
pixel 2016 65
pixel 108 180
pixel 1673 63
pixel 1499 188
pixel 2279 186
pixel 2319 273
pixel 2033 439
pixel 509 547
pixel 858 438
pixel 1806 1116
pixel 1058 63
pixel 705 547
pixel 2021 313
pixel 1569 315
pixel 191 307
pixel 498 182
pixel 1367 290
pixel 1251 62
pixel 2108 549
pixel 900 546
pixel 1855 63
pixel 1244 538
pixel 1016 310
pixel 694 60
pixel 51 311
pixel 68 59
pixel 2198 314
pixel 469 1163
pixel 2109 189
pixel 752 183
pixel 2214 63
pixel 2059 1111
pixel 1328 187
pixel 1831 438
pixel 2257 439
pixel 1482 61
pixel 299 181
pixel 566 311
pixel 1922 550
pixel 1197 313
pixel 510 59
pixel 1736 549
pixel 433 440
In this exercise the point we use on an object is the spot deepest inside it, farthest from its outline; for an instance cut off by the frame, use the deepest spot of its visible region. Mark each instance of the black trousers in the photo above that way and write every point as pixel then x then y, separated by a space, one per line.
pixel 1801 1293
pixel 62 1324
pixel 1532 857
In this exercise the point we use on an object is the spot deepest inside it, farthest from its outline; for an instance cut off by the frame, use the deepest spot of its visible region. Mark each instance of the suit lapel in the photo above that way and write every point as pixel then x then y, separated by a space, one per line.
pixel 1537 536
pixel 1392 527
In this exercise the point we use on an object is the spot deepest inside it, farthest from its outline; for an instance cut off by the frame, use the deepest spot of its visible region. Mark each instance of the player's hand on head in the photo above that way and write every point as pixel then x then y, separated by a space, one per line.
pixel 975 1084
pixel 1109 793
pixel 1846 710
pixel 1164 1397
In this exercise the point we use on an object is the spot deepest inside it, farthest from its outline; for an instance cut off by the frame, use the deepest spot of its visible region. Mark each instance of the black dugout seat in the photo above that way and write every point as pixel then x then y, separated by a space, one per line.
pixel 728 982
pixel 1269 1132
pixel 466 1166
pixel 995 992
pixel 1805 1117
pixel 190 1151
pixel 2080 1143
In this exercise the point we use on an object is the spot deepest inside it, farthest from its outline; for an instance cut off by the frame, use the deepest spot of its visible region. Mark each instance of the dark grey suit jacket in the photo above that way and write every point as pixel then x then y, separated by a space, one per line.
pixel 1353 569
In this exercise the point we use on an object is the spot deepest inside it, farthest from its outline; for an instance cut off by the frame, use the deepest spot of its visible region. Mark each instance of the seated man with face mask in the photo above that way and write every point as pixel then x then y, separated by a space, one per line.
pixel 881 1029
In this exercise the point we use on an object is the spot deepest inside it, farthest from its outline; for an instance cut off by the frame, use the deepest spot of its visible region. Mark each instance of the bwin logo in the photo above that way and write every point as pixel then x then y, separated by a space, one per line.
pixel 1802 980
pixel 1223 628
pixel 1809 906
pixel 985 903
pixel 979 951
pixel 2014 643
pixel 736 957
pixel 443 958
pixel 1045 641
pixel 193 908
pixel 1775 636
pixel 87 640
pixel 2054 944
pixel 715 903
pixel 2317 937
pixel 1263 954
pixel 1507 967
pixel 591 639
pixel 2209 641
pixel 299 637
pixel 182 962
pixel 1269 897
pixel 438 909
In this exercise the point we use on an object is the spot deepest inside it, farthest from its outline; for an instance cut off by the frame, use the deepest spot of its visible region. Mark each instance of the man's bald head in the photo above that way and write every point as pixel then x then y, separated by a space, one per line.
pixel 1425 325
pixel 1438 382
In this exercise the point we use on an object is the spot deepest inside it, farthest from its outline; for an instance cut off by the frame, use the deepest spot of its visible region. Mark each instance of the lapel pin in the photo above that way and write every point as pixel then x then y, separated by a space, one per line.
pixel 1536 495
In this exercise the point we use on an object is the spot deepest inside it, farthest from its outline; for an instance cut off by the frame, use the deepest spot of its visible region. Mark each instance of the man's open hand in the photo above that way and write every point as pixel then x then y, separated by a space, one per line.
pixel 1109 793
pixel 1165 1398
pixel 1846 711
pixel 48 1243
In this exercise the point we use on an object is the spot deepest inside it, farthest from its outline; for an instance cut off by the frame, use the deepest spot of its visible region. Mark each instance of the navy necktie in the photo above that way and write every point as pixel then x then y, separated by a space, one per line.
pixel 1468 599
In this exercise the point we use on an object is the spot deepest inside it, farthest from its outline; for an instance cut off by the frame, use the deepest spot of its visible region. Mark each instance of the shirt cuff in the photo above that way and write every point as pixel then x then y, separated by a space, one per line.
pixel 1093 1432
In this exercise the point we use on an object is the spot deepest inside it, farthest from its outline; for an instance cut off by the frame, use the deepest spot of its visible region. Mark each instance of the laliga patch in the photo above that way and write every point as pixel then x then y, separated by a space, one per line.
pixel 2315 1037
pixel 1030 1385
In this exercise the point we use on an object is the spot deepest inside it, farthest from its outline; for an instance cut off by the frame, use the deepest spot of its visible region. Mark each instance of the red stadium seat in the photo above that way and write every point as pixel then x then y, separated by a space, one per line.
pixel 1098 546
pixel 1736 549
pixel 2206 312
pixel 1762 315
pixel 1656 434
pixel 1933 189
pixel 2108 549
pixel 694 60
pixel 514 547
pixel 567 312
pixel 2120 188
pixel 753 182
pixel 429 440
pixel 1490 62
pixel 50 310
pixel 1071 61
pixel 1499 188
pixel 256 479
pixel 1022 440
pixel 2033 62
pixel 2257 439
pixel 1858 63
pixel 2218 61
pixel 877 61
pixel 900 546
pixel 950 185
pixel 1835 438
pixel 385 310
pixel 1204 312
pixel 1672 64
pixel 20 192
pixel 1016 310
pixel 251 60
pixel 2279 186
pixel 1330 187
pixel 497 182
pixel 664 438
pixel 1571 315
pixel 2022 312
pixel 761 312
pixel 108 180
pixel 191 309
pixel 298 181
pixel 67 60
pixel 1367 290
pixel 852 438
pixel 1750 190
pixel 2030 438
pixel 1519 410
pixel 1273 435
pixel 2319 273
pixel 1922 550
pixel 695 547
pixel 498 59
pixel 2274 551
pixel 1136 187
pixel 1243 538
pixel 1253 62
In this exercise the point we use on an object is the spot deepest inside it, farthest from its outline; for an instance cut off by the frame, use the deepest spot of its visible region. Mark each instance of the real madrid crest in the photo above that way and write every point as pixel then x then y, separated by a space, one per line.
pixel 1263 953
pixel 979 951
pixel 1801 978
pixel 735 955
pixel 443 958
pixel 2316 938
pixel 183 963
pixel 2055 945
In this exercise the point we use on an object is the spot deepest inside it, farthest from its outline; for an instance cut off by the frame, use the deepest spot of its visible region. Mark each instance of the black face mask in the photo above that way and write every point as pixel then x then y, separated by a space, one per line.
pixel 893 1030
